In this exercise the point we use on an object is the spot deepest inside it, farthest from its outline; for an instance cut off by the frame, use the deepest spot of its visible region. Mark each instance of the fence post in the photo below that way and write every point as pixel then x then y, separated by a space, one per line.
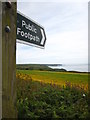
pixel 9 19
pixel 0 60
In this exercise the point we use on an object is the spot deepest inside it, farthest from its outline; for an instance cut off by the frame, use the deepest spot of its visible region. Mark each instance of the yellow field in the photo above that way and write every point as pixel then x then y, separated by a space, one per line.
pixel 79 80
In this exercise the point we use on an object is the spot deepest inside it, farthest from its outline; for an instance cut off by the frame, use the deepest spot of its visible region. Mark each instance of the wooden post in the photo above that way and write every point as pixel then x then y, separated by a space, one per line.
pixel 0 60
pixel 9 18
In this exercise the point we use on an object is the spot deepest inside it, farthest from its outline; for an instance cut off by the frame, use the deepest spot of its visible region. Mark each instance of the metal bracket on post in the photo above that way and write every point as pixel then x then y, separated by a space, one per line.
pixel 7 29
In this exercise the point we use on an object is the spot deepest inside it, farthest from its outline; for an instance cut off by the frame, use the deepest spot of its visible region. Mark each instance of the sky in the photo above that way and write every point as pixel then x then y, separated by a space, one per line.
pixel 66 28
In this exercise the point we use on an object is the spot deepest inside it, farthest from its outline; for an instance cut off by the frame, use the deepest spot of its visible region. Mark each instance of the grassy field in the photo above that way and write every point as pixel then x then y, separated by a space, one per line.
pixel 36 98
pixel 58 78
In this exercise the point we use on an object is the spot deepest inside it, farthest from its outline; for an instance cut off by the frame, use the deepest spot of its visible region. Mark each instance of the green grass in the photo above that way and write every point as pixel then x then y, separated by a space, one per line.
pixel 57 77
pixel 40 100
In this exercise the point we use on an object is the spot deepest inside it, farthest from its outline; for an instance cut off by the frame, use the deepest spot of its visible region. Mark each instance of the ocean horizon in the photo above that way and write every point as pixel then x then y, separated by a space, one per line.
pixel 73 67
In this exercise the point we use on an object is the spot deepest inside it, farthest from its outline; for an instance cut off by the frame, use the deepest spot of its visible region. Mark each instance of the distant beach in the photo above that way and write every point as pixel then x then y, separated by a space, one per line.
pixel 73 67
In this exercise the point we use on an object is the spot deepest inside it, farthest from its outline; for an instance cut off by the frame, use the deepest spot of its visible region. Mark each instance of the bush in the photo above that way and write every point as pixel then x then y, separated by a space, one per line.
pixel 35 100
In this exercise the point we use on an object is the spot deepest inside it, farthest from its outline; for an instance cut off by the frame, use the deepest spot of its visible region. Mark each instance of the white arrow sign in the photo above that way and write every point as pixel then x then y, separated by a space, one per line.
pixel 30 32
pixel 43 38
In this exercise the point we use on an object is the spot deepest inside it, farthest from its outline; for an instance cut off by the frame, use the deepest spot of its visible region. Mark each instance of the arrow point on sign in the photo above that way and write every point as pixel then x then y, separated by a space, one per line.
pixel 43 38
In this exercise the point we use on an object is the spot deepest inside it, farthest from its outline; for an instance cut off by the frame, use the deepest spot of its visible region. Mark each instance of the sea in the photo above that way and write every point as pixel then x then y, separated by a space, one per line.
pixel 73 67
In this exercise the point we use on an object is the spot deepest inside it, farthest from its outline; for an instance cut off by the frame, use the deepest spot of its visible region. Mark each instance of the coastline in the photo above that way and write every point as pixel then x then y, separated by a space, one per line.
pixel 80 68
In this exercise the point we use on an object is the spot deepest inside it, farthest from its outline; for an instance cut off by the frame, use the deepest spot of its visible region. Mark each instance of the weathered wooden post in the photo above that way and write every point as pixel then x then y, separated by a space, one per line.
pixel 0 60
pixel 8 67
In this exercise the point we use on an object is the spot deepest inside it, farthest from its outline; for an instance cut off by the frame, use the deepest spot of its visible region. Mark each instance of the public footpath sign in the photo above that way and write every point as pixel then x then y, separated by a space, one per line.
pixel 30 32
